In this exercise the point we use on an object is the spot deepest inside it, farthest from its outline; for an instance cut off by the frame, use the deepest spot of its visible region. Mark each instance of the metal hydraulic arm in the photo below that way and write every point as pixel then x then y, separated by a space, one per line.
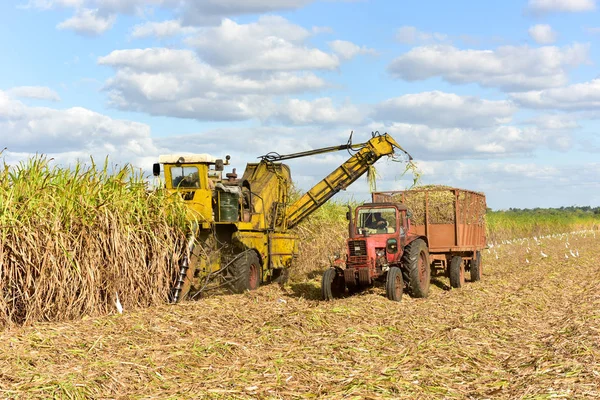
pixel 342 177
pixel 273 156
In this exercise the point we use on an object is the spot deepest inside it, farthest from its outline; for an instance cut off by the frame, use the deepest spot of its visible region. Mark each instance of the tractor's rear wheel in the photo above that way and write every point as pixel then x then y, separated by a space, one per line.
pixel 417 268
pixel 457 272
pixel 246 271
pixel 332 284
pixel 394 284
pixel 476 267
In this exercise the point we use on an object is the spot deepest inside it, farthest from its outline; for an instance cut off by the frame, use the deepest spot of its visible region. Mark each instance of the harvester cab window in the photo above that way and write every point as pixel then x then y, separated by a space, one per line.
pixel 185 177
pixel 379 220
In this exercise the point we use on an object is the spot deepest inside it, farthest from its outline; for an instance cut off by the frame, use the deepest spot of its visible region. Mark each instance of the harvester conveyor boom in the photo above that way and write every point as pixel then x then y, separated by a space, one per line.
pixel 342 177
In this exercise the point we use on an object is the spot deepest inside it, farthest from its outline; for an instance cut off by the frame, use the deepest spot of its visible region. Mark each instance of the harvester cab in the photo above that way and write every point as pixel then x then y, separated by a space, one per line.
pixel 195 177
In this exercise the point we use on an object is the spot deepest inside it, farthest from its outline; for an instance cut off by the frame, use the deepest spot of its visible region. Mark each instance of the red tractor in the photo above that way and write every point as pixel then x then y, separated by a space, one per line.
pixel 384 245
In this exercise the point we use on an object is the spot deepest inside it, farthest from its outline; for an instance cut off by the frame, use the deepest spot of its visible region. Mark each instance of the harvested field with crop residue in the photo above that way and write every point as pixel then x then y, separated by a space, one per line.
pixel 530 329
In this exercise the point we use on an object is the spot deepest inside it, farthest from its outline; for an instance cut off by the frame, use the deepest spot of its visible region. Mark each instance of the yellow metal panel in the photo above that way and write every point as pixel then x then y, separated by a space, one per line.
pixel 284 248
pixel 253 240
pixel 269 184
pixel 244 226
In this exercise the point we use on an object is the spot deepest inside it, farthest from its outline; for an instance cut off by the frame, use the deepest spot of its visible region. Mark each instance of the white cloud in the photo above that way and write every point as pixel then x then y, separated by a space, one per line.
pixel 317 30
pixel 161 29
pixel 34 92
pixel 490 173
pixel 181 71
pixel 411 35
pixel 248 143
pixel 106 6
pixel 71 133
pixel 348 50
pixel 88 22
pixel 211 11
pixel 556 122
pixel 427 143
pixel 576 97
pixel 151 59
pixel 176 83
pixel 509 68
pixel 270 44
pixel 542 34
pixel 49 4
pixel 548 6
pixel 318 111
pixel 191 12
pixel 439 109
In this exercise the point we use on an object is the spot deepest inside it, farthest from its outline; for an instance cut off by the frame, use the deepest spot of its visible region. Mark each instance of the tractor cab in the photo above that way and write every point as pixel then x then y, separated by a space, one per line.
pixel 381 218
pixel 376 220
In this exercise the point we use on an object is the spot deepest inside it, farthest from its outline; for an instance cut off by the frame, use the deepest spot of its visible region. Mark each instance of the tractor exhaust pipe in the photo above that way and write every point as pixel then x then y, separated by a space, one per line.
pixel 350 222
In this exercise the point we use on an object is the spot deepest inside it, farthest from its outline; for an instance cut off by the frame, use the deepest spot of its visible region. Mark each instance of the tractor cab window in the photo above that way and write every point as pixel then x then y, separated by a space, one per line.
pixel 376 220
pixel 185 177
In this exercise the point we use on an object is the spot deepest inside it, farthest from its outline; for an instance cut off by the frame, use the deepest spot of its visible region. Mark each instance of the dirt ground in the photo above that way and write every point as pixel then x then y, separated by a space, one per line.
pixel 530 329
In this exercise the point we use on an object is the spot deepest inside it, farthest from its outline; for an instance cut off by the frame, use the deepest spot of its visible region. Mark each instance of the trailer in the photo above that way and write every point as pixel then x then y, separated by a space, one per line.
pixel 453 222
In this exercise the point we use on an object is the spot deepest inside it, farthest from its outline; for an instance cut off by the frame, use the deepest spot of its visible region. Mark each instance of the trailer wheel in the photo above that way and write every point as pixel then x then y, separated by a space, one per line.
pixel 457 272
pixel 476 267
pixel 332 284
pixel 417 268
pixel 247 273
pixel 394 284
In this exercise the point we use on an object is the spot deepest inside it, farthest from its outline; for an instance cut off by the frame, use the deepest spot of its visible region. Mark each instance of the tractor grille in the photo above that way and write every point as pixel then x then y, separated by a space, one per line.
pixel 357 248
pixel 358 260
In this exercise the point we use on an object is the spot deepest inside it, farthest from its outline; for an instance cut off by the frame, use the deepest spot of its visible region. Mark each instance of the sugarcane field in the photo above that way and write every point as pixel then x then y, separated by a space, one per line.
pixel 299 199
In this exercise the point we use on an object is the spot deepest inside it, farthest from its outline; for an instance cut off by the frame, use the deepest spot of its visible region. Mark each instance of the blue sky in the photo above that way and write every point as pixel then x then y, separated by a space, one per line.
pixel 500 97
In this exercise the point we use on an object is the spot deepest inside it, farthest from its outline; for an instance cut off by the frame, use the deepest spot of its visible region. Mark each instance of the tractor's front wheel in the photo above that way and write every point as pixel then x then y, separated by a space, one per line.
pixel 457 272
pixel 246 271
pixel 332 284
pixel 394 285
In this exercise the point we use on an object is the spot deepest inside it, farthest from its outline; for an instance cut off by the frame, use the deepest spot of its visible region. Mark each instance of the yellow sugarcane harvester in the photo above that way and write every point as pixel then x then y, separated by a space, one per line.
pixel 240 227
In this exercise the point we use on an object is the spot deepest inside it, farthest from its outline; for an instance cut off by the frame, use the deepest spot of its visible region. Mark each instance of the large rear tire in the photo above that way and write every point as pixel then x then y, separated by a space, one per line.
pixel 332 284
pixel 417 268
pixel 476 267
pixel 457 272
pixel 247 272
pixel 394 284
